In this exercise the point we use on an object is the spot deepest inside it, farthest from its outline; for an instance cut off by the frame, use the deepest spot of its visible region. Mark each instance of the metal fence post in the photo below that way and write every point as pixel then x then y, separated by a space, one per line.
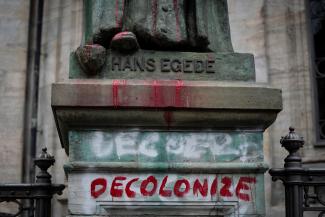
pixel 26 195
pixel 43 203
pixel 292 174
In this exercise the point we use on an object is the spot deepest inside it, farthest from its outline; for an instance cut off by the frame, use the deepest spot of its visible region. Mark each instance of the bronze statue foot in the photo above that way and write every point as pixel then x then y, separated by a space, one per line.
pixel 91 58
pixel 125 42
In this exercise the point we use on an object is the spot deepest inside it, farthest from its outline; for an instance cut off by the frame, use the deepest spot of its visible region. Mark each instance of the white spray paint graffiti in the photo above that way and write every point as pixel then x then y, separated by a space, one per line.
pixel 100 146
pixel 189 146
pixel 147 145
pixel 126 143
pixel 245 148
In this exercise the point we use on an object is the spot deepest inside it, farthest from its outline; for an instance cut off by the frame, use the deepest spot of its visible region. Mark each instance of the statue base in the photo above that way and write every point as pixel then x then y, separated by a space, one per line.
pixel 143 147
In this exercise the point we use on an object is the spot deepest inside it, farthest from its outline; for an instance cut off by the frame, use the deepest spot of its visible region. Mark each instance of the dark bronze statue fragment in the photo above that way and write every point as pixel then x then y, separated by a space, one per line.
pixel 163 25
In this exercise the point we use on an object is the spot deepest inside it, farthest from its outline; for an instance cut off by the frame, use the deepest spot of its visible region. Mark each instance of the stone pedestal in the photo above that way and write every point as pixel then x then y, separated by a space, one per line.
pixel 164 147
pixel 153 131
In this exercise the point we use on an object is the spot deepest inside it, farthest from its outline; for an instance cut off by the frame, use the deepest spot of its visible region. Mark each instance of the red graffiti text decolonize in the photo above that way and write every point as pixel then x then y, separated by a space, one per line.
pixel 151 186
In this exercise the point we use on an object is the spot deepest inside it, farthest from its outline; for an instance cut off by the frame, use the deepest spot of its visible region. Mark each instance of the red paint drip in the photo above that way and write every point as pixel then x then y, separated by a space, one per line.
pixel 116 90
pixel 122 14
pixel 176 9
pixel 156 93
pixel 154 9
pixel 117 19
pixel 178 88
pixel 116 84
pixel 168 116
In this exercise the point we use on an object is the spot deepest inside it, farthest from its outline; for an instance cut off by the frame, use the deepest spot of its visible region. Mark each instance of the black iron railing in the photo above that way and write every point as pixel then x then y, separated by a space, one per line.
pixel 32 199
pixel 304 187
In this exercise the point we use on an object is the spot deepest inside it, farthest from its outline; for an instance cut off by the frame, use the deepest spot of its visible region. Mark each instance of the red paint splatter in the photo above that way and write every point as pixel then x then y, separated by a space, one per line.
pixel 156 93
pixel 178 89
pixel 117 192
pixel 177 187
pixel 121 35
pixel 226 181
pixel 176 9
pixel 128 191
pixel 198 187
pixel 154 9
pixel 162 191
pixel 98 182
pixel 144 184
pixel 242 185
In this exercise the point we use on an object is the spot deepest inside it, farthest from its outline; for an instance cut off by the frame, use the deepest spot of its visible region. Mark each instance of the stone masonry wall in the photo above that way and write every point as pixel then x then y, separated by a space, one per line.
pixel 13 49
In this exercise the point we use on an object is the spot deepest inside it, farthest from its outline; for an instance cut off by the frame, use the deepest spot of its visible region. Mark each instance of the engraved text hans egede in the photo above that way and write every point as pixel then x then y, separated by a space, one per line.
pixel 181 65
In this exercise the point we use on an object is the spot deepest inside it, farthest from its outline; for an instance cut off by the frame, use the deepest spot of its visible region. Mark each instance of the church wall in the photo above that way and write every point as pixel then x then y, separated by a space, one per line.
pixel 13 49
